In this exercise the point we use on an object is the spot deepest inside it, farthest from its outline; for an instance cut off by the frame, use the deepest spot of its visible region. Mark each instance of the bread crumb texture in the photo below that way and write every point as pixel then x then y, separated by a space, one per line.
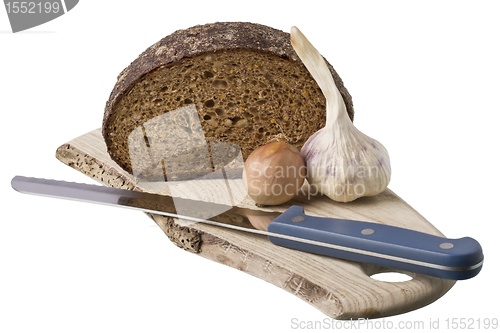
pixel 244 79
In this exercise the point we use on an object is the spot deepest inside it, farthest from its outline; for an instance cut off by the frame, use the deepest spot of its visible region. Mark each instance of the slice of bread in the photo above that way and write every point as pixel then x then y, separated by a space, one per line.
pixel 245 80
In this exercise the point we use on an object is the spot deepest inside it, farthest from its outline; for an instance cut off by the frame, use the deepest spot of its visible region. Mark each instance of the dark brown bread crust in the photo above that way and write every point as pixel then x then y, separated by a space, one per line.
pixel 203 39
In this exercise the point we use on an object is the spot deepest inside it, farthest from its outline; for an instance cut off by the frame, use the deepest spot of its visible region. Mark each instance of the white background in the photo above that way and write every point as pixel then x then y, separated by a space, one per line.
pixel 425 80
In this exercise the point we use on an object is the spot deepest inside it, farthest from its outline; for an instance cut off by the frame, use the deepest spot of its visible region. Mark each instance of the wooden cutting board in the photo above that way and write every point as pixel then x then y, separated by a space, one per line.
pixel 341 289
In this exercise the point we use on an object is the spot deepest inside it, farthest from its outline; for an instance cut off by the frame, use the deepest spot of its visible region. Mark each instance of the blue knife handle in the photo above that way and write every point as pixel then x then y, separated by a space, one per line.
pixel 379 244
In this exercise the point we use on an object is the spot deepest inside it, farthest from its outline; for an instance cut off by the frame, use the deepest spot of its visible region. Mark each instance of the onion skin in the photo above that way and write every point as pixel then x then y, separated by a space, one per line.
pixel 274 173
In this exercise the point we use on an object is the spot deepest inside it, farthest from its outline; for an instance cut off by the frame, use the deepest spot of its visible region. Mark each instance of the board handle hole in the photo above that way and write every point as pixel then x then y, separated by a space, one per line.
pixel 391 277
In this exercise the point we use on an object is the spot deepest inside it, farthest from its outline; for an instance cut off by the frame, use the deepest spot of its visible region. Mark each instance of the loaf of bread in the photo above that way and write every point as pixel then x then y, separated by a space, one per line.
pixel 245 81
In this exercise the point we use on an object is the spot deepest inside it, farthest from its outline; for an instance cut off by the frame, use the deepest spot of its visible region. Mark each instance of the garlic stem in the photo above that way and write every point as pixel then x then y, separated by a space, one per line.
pixel 316 65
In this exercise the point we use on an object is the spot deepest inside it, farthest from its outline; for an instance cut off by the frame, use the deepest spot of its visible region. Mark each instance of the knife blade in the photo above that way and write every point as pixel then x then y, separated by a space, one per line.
pixel 367 242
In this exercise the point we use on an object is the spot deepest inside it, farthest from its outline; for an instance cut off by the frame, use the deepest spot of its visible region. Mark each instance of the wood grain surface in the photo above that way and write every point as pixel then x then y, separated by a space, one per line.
pixel 339 288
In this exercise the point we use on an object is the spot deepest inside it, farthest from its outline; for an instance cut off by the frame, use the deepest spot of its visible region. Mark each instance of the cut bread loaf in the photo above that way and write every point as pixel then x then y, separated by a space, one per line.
pixel 245 81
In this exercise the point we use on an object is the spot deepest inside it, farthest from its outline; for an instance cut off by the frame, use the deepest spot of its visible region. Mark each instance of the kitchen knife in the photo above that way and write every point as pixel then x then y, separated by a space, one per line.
pixel 374 243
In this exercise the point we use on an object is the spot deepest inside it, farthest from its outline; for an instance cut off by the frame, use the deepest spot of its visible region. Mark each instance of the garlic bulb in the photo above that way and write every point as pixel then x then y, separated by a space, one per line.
pixel 273 173
pixel 342 163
